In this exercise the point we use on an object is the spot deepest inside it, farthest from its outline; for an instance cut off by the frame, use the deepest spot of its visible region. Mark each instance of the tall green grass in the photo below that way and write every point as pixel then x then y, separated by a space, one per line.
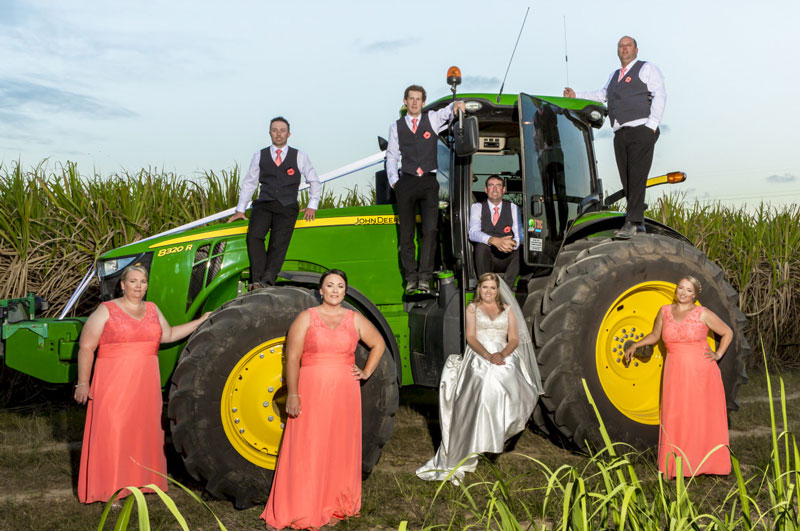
pixel 608 493
pixel 54 222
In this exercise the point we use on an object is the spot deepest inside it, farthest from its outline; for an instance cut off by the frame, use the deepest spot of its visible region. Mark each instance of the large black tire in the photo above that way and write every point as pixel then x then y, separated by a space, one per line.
pixel 238 328
pixel 569 317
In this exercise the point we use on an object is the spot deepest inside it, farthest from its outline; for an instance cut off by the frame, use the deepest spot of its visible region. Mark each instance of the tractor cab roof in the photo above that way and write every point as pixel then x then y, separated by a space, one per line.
pixel 487 108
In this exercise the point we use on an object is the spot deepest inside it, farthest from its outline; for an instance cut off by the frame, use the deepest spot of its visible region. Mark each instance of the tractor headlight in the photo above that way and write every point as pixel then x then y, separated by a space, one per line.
pixel 112 266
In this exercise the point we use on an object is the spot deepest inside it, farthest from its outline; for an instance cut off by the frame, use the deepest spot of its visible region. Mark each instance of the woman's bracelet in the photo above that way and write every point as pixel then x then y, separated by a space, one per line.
pixel 290 396
pixel 80 384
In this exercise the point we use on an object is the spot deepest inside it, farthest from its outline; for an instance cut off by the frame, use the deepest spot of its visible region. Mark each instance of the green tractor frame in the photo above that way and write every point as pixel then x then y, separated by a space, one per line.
pixel 584 295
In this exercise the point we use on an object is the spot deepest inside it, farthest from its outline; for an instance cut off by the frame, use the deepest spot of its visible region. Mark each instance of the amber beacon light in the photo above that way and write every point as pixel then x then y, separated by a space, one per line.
pixel 676 177
pixel 454 76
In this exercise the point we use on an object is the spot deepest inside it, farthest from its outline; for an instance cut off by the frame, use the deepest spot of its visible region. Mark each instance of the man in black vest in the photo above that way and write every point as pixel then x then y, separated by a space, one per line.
pixel 278 169
pixel 495 233
pixel 636 98
pixel 415 136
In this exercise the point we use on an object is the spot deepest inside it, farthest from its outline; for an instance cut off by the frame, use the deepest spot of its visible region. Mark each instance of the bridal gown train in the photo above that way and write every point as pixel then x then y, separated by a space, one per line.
pixel 482 405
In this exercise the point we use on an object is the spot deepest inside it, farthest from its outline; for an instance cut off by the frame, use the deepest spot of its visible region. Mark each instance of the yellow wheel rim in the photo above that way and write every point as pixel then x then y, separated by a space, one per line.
pixel 253 405
pixel 634 390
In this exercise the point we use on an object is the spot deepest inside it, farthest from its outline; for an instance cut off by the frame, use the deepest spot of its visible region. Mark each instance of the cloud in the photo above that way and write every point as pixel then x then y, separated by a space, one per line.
pixel 385 46
pixel 482 82
pixel 25 94
pixel 781 179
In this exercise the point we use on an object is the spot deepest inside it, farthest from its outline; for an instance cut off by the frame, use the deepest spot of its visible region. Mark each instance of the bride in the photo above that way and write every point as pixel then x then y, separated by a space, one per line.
pixel 487 395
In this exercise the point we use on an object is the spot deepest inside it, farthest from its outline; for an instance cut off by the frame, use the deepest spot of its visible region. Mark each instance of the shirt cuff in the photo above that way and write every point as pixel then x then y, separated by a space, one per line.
pixel 313 204
pixel 652 124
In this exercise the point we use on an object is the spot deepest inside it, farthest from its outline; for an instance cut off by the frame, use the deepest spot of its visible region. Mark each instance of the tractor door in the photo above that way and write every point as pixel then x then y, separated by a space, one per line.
pixel 557 174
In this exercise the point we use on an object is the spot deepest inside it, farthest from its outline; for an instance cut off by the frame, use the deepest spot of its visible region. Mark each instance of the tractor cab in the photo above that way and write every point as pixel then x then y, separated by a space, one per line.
pixel 542 148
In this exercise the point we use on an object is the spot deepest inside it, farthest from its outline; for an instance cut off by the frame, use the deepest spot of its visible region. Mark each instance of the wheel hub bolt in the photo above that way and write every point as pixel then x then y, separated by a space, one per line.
pixel 266 404
pixel 234 410
pixel 236 421
pixel 261 356
pixel 270 418
pixel 272 351
pixel 283 425
pixel 270 389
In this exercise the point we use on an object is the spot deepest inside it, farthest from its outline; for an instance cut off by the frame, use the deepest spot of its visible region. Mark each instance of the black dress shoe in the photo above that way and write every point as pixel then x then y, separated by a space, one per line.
pixel 626 232
pixel 412 286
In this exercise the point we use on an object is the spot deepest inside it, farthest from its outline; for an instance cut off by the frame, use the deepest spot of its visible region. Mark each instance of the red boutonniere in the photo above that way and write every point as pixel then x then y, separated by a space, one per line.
pixel 507 230
pixel 628 79
pixel 290 171
pixel 427 135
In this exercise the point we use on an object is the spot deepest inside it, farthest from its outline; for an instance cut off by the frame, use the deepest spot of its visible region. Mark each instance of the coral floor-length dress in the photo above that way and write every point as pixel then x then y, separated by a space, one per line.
pixel 693 413
pixel 318 477
pixel 123 430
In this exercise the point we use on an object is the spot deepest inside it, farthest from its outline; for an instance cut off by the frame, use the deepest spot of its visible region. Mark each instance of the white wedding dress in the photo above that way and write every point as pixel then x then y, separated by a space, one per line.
pixel 482 405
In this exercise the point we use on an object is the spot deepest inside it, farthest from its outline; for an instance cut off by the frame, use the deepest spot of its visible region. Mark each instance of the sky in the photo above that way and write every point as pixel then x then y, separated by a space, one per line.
pixel 190 86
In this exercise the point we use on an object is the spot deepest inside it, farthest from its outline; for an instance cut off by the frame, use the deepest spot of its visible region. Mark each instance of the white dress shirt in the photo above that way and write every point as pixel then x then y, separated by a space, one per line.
pixel 478 236
pixel 439 120
pixel 650 76
pixel 250 181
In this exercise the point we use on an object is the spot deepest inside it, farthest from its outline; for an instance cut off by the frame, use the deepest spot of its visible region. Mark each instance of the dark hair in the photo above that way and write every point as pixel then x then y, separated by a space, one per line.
pixel 494 277
pixel 330 272
pixel 495 176
pixel 280 119
pixel 418 88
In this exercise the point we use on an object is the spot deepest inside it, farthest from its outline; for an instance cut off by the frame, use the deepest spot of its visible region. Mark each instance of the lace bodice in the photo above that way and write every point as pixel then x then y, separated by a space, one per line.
pixel 491 331
pixel 689 330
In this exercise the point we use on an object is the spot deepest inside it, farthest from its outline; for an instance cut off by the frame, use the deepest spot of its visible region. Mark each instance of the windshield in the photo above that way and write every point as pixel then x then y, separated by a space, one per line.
pixel 557 172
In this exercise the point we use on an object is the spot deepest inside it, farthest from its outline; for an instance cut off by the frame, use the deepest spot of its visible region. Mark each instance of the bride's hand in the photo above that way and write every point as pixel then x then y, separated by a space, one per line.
pixel 496 358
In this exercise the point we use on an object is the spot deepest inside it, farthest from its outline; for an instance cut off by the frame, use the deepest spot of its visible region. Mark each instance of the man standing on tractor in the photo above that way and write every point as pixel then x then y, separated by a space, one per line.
pixel 636 98
pixel 494 231
pixel 416 137
pixel 278 169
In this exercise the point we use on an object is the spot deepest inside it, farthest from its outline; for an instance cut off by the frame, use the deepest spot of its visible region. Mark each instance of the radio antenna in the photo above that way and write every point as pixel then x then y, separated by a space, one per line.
pixel 503 84
pixel 566 55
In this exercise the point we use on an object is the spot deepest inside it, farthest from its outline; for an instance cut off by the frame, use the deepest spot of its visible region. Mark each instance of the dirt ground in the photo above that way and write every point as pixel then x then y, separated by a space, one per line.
pixel 40 451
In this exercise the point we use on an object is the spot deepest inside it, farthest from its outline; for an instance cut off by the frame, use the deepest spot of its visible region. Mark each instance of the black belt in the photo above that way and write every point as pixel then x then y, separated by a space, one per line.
pixel 423 175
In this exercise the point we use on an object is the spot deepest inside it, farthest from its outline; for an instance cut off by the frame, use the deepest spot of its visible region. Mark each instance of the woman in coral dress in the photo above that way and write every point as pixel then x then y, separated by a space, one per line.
pixel 318 476
pixel 694 422
pixel 123 432
pixel 487 395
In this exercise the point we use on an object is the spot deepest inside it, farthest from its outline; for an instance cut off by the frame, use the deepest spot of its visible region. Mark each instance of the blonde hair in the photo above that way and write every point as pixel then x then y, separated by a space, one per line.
pixel 130 269
pixel 698 288
pixel 483 278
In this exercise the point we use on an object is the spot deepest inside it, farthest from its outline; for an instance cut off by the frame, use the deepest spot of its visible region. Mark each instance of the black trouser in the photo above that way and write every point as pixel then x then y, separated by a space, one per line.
pixel 490 259
pixel 278 220
pixel 410 191
pixel 633 147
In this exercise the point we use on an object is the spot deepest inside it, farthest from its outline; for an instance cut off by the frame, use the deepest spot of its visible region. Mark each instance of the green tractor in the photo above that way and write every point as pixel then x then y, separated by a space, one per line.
pixel 584 295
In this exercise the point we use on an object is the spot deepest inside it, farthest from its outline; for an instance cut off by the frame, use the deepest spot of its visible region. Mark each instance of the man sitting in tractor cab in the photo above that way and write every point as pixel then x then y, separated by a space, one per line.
pixel 495 232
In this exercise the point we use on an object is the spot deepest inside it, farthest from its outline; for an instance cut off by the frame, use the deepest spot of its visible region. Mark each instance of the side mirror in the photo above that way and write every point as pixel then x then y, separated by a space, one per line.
pixel 466 135
pixel 382 143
